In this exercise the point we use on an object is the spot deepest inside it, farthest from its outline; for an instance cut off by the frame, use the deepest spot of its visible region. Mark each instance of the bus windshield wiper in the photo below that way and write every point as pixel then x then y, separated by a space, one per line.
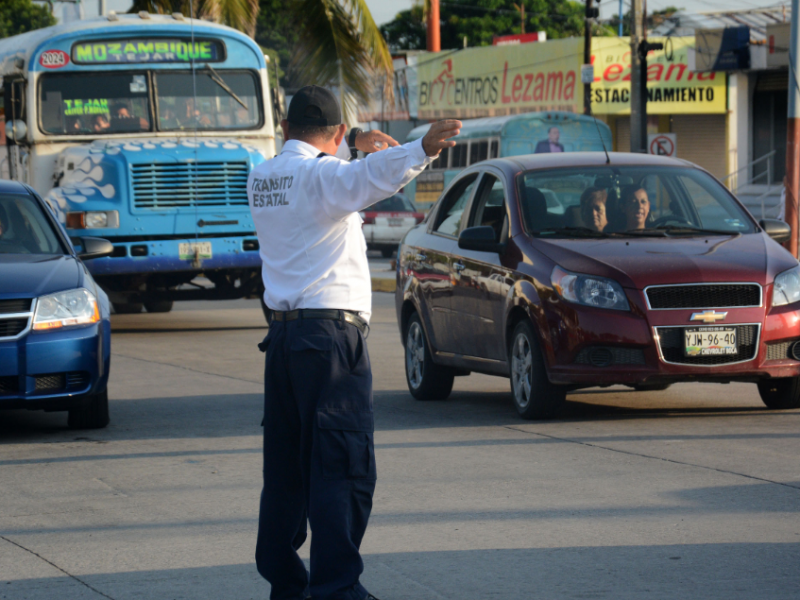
pixel 216 78
pixel 573 231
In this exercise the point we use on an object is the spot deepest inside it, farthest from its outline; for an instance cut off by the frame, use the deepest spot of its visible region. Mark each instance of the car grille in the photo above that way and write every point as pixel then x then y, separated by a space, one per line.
pixel 19 305
pixel 704 296
pixel 602 356
pixel 170 185
pixel 671 341
pixel 12 327
pixel 9 385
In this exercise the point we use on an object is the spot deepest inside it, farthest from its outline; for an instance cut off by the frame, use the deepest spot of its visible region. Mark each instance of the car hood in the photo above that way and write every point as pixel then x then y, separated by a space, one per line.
pixel 30 275
pixel 639 262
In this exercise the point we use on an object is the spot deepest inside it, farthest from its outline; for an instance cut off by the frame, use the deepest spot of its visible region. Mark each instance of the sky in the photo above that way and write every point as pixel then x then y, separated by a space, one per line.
pixel 385 10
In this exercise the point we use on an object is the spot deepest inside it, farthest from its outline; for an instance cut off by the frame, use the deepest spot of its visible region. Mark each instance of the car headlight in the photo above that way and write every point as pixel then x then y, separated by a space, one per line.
pixel 786 288
pixel 66 309
pixel 93 219
pixel 589 290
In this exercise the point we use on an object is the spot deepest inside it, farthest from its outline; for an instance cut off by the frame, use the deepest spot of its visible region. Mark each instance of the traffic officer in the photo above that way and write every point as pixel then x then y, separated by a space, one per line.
pixel 319 459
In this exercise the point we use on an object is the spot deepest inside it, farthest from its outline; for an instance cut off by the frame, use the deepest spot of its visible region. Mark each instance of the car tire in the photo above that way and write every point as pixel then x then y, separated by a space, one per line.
pixel 781 393
pixel 163 306
pixel 387 252
pixel 533 394
pixel 128 308
pixel 92 416
pixel 426 380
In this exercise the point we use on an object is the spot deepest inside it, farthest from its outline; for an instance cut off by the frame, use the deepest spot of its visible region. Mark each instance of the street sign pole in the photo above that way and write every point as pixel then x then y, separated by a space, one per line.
pixel 591 14
pixel 793 131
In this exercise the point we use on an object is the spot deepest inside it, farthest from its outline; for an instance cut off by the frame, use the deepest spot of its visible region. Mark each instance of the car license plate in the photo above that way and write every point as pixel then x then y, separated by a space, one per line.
pixel 188 250
pixel 709 341
pixel 395 222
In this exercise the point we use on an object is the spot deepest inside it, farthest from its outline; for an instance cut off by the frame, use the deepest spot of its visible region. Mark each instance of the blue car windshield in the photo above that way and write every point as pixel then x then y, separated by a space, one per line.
pixel 24 229
pixel 628 201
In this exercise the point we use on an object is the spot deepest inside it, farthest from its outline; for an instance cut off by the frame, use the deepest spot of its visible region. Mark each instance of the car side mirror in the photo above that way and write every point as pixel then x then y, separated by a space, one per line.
pixel 92 247
pixel 776 229
pixel 481 238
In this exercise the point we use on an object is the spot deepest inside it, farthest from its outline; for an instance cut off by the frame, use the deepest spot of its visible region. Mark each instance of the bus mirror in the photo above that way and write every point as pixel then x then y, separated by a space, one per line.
pixel 16 130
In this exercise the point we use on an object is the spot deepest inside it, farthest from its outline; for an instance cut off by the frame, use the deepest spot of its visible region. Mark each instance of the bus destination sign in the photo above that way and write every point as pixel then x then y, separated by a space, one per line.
pixel 147 50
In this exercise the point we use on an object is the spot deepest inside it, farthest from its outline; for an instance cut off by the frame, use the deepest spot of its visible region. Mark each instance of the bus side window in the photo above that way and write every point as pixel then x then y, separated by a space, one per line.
pixel 441 160
pixel 459 156
pixel 478 151
pixel 494 149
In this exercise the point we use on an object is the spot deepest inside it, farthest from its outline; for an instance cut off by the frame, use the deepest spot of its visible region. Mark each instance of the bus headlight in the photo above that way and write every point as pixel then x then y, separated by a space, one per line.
pixel 93 219
pixel 66 309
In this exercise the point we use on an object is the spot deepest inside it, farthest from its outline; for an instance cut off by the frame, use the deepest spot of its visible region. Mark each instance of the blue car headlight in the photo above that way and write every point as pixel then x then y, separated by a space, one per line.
pixel 786 288
pixel 70 308
pixel 589 290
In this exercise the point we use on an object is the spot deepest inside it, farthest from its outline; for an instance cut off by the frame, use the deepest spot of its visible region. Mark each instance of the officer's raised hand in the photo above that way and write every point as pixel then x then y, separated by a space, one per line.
pixel 437 138
pixel 372 141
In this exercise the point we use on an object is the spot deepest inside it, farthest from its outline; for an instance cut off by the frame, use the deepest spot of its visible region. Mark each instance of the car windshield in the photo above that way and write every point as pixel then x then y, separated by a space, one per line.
pixel 94 104
pixel 207 104
pixel 24 229
pixel 397 203
pixel 628 201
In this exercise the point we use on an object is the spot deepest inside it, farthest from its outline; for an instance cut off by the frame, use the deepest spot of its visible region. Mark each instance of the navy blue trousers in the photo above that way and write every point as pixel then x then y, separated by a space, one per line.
pixel 319 459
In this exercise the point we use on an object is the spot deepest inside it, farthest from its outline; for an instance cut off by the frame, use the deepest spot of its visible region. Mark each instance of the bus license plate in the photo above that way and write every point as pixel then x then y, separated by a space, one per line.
pixel 188 250
pixel 709 341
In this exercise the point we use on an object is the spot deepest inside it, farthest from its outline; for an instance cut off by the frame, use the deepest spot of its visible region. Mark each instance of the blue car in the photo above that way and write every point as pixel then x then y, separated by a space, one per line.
pixel 55 331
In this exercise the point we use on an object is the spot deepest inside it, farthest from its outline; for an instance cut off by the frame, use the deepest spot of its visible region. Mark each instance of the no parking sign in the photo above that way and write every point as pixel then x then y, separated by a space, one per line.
pixel 663 144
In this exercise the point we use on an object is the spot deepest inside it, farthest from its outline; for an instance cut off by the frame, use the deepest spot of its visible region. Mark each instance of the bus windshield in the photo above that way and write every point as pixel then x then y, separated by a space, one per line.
pixel 94 104
pixel 216 107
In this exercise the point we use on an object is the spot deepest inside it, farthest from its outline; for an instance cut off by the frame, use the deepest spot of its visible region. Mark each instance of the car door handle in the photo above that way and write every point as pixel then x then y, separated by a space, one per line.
pixel 459 266
pixel 421 257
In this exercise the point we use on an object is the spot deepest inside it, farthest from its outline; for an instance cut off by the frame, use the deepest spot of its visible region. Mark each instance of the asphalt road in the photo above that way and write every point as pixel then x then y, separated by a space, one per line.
pixel 688 493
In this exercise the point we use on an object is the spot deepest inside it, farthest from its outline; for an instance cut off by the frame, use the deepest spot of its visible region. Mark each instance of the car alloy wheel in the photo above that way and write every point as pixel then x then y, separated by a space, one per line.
pixel 426 380
pixel 415 354
pixel 521 366
pixel 535 397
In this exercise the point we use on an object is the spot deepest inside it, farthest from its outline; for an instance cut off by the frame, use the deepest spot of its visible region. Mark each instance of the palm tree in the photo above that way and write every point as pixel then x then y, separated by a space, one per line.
pixel 340 45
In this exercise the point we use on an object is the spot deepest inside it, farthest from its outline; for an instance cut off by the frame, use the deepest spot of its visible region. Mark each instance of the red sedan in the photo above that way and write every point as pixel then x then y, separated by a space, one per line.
pixel 650 272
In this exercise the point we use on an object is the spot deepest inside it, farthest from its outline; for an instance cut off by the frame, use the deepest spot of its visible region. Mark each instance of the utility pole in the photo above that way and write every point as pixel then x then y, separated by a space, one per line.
pixel 521 9
pixel 434 39
pixel 793 131
pixel 638 87
pixel 591 15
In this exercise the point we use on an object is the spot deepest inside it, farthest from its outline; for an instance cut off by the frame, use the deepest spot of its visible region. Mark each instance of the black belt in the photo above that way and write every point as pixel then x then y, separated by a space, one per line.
pixel 322 313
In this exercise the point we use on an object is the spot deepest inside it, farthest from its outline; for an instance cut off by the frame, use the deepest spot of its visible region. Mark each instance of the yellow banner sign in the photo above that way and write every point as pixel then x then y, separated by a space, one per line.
pixel 671 87
pixel 501 80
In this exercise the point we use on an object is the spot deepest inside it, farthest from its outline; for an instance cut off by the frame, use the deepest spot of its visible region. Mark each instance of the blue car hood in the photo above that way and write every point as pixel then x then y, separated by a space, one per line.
pixel 30 275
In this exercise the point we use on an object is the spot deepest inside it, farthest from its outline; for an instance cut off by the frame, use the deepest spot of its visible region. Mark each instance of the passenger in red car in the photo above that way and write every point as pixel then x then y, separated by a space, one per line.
pixel 593 208
pixel 635 207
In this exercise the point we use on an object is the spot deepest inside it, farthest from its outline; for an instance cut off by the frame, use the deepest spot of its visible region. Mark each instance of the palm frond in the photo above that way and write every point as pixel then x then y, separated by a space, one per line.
pixel 335 53
pixel 239 14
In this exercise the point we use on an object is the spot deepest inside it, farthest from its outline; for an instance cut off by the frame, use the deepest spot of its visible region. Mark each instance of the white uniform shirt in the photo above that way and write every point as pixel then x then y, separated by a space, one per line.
pixel 305 210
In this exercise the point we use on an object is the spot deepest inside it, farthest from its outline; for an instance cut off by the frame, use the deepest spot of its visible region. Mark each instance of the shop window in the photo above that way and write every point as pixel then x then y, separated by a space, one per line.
pixel 770 106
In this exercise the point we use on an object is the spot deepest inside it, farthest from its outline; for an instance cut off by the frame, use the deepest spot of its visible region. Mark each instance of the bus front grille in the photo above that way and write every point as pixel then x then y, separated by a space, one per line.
pixel 173 185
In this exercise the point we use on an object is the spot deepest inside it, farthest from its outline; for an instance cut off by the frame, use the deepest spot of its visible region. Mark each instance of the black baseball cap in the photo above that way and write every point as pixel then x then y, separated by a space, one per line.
pixel 314 106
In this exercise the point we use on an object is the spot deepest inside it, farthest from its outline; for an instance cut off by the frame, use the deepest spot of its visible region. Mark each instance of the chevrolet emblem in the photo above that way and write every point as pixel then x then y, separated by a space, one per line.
pixel 708 316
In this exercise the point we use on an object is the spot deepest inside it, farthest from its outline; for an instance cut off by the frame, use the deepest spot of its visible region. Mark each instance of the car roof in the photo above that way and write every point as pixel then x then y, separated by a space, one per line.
pixel 556 160
pixel 13 187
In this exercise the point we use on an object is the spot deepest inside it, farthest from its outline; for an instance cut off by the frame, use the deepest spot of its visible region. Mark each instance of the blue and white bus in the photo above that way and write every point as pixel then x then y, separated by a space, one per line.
pixel 142 129
pixel 511 135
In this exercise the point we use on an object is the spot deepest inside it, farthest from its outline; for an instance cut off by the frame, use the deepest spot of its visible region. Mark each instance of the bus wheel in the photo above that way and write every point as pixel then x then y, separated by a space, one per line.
pixel 127 309
pixel 162 306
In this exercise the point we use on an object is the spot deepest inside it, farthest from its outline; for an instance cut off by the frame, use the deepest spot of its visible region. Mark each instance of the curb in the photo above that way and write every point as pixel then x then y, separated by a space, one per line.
pixel 383 284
